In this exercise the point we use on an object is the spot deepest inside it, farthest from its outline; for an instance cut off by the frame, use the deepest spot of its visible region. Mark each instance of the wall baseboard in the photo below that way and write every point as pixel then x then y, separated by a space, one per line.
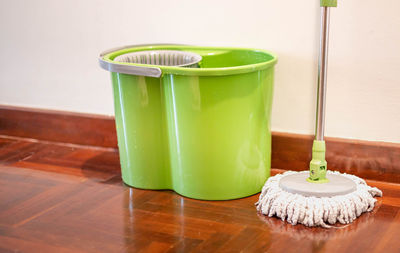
pixel 58 126
pixel 371 160
pixel 368 159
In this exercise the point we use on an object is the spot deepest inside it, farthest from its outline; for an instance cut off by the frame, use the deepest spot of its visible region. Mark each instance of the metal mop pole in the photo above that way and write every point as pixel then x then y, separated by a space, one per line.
pixel 322 73
pixel 318 165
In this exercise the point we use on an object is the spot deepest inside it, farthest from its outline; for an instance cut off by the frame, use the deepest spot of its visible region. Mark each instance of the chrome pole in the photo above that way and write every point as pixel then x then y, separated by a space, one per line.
pixel 322 74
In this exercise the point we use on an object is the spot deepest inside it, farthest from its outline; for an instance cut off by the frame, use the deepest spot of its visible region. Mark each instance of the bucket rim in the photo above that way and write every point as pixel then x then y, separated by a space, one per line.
pixel 106 60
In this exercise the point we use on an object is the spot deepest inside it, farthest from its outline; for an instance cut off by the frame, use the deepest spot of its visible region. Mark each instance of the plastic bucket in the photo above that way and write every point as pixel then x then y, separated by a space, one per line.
pixel 203 132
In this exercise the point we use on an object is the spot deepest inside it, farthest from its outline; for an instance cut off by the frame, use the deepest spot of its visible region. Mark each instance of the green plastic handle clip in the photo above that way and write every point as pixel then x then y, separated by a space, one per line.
pixel 318 165
pixel 328 3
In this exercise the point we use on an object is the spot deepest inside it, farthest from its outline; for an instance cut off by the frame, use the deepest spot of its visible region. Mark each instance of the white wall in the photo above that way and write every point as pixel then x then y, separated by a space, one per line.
pixel 49 48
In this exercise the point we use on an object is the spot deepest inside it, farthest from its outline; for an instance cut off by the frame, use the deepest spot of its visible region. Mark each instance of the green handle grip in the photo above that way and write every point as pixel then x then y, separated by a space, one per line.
pixel 328 3
pixel 318 165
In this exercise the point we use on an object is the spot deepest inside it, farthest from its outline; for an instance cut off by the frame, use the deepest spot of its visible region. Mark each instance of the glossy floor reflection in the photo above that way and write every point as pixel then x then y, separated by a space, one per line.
pixel 71 199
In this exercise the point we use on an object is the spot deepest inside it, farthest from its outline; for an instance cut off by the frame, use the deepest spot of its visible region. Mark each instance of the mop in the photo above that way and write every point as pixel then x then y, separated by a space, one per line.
pixel 317 197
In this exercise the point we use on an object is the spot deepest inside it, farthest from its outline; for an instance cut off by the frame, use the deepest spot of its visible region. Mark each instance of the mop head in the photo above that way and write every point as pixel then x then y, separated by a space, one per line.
pixel 316 211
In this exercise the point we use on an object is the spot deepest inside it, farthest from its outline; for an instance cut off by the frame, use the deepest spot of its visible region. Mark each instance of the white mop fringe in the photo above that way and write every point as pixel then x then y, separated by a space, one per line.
pixel 314 211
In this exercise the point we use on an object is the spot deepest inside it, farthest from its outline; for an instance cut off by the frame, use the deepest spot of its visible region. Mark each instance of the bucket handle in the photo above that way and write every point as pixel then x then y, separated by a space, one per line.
pixel 130 69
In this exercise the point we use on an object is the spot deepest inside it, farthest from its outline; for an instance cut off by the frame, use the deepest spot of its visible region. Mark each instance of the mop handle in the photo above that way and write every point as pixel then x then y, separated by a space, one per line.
pixel 322 68
pixel 318 164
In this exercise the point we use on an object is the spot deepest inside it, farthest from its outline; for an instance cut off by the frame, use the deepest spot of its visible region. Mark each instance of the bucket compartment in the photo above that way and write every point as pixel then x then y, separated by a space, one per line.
pixel 201 131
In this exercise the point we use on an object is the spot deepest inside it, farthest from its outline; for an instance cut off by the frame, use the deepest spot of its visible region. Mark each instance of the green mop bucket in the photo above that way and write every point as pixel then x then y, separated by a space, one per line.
pixel 195 120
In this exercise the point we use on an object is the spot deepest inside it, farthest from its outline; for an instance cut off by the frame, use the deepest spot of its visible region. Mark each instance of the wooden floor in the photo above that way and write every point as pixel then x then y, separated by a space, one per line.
pixel 66 198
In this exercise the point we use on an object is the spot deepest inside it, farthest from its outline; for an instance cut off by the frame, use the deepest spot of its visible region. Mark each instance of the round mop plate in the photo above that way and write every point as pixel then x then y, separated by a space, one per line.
pixel 297 183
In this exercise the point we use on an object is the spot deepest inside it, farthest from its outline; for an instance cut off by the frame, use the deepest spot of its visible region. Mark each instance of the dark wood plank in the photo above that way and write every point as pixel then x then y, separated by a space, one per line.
pixel 44 207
